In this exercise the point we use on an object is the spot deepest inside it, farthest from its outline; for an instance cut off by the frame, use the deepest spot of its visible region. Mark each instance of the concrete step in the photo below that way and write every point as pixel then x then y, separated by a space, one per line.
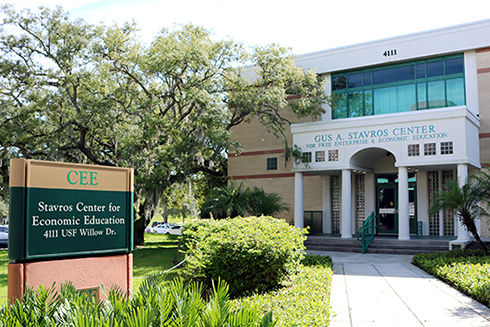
pixel 378 245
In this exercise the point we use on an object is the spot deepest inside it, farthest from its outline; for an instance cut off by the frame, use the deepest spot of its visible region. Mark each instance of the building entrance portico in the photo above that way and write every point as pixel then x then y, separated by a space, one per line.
pixel 391 168
pixel 404 116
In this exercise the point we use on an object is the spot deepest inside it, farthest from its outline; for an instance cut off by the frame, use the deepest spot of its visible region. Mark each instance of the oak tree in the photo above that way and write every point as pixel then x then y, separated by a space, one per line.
pixel 76 92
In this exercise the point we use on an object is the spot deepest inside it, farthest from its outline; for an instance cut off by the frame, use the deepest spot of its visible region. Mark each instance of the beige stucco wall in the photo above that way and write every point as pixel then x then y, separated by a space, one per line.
pixel 114 270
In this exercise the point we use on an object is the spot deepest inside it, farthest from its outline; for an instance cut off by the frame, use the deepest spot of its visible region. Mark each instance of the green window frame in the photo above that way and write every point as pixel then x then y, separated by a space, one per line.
pixel 271 163
pixel 416 85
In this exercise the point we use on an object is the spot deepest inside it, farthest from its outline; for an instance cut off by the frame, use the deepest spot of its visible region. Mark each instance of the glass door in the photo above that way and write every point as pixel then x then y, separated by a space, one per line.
pixel 387 203
pixel 388 209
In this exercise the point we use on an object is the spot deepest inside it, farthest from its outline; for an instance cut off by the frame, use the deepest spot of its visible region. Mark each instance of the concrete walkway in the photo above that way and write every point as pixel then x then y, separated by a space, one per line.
pixel 387 290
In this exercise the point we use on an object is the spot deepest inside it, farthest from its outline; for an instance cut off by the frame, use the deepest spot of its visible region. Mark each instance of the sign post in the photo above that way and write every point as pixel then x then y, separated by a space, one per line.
pixel 65 214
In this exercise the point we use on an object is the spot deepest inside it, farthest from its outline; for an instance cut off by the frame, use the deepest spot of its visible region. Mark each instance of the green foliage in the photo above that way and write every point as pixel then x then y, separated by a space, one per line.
pixel 311 260
pixel 303 301
pixel 174 304
pixel 4 208
pixel 77 92
pixel 466 270
pixel 267 204
pixel 227 201
pixel 233 201
pixel 465 201
pixel 252 254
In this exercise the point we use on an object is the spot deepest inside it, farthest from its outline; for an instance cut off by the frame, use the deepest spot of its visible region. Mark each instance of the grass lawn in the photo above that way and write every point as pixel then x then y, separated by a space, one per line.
pixel 3 277
pixel 156 256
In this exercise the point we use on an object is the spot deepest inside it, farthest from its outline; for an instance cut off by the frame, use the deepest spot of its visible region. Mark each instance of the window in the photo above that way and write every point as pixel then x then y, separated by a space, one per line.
pixel 319 156
pixel 413 150
pixel 306 156
pixel 271 163
pixel 430 149
pixel 417 85
pixel 333 155
pixel 446 147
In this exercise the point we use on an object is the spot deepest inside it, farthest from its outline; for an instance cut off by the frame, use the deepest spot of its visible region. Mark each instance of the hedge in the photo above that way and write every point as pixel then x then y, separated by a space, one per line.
pixel 252 254
pixel 466 270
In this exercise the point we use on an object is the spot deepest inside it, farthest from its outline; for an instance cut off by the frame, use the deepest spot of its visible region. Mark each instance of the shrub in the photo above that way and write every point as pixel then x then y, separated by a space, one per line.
pixel 466 270
pixel 252 254
pixel 174 304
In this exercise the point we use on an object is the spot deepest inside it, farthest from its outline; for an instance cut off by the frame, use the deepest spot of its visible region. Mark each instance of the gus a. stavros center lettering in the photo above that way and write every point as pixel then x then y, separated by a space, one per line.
pixel 379 135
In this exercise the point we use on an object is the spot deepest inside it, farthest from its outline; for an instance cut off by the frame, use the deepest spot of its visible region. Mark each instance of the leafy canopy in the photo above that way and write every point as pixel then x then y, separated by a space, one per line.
pixel 76 92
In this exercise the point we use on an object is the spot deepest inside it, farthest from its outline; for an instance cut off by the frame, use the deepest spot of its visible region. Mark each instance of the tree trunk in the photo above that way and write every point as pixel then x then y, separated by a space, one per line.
pixel 471 227
pixel 139 231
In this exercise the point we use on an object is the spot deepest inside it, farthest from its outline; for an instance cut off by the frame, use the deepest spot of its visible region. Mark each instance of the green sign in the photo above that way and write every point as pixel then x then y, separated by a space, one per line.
pixel 79 210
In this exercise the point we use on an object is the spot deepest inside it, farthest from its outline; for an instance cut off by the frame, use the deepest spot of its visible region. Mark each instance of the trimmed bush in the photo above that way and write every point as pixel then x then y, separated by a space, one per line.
pixel 253 254
pixel 467 270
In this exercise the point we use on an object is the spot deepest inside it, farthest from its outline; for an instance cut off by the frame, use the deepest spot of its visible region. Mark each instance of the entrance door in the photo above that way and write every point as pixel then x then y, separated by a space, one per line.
pixel 387 209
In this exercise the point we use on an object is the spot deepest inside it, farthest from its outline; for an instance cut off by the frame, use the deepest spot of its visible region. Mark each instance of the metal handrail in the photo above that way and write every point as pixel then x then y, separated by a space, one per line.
pixel 368 229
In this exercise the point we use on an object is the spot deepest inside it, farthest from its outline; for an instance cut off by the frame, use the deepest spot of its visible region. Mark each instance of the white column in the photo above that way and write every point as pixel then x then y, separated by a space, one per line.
pixel 298 200
pixel 463 234
pixel 346 209
pixel 403 210
pixel 327 204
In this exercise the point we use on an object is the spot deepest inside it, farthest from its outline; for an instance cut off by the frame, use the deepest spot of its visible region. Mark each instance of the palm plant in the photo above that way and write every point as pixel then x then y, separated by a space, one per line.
pixel 228 201
pixel 267 204
pixel 233 201
pixel 465 201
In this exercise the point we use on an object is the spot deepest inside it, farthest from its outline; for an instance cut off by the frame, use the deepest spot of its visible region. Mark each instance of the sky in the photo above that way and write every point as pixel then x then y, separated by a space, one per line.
pixel 305 26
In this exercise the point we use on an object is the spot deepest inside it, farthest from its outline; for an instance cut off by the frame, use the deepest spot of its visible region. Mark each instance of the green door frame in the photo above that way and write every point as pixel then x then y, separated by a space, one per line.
pixel 394 185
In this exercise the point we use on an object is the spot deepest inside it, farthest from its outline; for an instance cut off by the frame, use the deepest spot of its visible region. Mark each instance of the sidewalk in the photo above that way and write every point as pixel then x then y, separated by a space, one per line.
pixel 387 290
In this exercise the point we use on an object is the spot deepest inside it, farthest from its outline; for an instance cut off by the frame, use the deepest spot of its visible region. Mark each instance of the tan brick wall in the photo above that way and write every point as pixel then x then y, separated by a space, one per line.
pixel 485 151
pixel 483 58
pixel 255 137
pixel 483 66
pixel 285 187
pixel 252 165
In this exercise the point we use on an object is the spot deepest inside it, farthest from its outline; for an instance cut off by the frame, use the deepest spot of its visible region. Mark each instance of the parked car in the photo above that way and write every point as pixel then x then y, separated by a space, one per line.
pixel 167 229
pixel 151 229
pixel 4 235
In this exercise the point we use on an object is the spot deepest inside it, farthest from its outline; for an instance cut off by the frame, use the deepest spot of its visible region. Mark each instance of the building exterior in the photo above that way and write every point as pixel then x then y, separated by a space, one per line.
pixel 407 114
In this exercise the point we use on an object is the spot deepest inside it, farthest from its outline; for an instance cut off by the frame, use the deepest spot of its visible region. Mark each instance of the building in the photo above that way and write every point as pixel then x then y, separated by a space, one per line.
pixel 408 113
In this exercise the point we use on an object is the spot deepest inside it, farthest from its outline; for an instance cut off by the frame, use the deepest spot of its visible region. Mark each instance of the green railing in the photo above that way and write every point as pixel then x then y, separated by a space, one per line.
pixel 366 231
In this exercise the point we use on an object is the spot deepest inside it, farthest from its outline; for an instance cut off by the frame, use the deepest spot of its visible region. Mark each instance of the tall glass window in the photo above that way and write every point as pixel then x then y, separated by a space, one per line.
pixel 416 85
